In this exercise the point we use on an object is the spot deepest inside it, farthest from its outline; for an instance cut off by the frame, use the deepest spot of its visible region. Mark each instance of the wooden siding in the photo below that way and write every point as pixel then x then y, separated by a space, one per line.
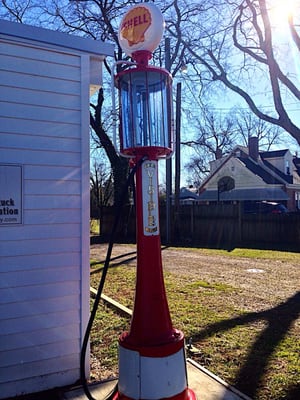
pixel 42 282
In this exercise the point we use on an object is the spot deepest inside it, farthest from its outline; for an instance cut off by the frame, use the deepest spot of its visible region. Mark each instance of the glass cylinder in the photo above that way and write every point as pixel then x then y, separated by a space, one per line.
pixel 145 112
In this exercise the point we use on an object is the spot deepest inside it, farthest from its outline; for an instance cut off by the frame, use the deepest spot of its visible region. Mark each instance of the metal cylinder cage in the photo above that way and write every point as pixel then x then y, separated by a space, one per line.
pixel 145 100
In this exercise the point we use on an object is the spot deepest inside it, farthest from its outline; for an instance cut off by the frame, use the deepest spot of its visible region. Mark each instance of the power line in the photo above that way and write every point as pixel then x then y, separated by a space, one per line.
pixel 227 109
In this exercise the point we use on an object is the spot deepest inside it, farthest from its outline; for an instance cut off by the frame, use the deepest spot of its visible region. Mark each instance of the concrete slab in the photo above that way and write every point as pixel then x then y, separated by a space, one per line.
pixel 208 386
pixel 99 391
pixel 205 385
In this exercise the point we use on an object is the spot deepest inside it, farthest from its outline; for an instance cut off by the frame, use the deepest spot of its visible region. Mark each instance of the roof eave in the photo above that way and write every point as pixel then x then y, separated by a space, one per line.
pixel 54 38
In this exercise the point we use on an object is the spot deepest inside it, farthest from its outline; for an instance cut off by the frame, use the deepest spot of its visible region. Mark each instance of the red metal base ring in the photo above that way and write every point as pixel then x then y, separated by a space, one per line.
pixel 187 394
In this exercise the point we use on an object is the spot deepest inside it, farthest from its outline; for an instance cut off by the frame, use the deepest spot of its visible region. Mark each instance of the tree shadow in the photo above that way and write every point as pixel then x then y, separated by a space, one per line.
pixel 124 259
pixel 279 320
pixel 121 259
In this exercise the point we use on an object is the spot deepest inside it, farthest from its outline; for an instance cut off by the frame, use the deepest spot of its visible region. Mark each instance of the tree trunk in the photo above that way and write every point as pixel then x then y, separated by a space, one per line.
pixel 119 165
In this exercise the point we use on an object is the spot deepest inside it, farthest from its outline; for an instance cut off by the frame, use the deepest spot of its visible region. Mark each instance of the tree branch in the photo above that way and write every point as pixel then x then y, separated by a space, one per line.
pixel 294 33
pixel 282 121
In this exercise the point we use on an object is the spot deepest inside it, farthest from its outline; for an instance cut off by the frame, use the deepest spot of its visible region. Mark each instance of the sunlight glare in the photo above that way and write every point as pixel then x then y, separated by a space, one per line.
pixel 280 11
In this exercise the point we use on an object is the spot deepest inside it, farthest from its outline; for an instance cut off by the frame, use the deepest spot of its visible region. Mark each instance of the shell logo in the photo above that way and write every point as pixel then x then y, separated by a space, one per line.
pixel 135 24
pixel 141 28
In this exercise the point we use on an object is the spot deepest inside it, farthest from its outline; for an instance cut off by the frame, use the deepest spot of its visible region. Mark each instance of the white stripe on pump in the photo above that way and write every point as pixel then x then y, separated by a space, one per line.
pixel 151 377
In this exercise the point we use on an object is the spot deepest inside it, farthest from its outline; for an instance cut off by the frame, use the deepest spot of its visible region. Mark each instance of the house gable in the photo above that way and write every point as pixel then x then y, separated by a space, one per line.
pixel 257 176
pixel 234 167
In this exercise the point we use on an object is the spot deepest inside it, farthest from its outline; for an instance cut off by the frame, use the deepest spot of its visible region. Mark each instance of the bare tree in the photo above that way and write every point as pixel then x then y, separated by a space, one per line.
pixel 295 30
pixel 101 190
pixel 241 51
pixel 218 134
pixel 249 125
pixel 16 10
pixel 119 165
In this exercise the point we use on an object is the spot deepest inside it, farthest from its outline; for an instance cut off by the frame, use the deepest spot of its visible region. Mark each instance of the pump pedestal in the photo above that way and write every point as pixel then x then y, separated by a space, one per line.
pixel 152 362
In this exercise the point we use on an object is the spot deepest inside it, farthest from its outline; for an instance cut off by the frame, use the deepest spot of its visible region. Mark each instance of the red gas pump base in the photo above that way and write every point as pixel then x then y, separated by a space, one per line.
pixel 153 372
pixel 187 394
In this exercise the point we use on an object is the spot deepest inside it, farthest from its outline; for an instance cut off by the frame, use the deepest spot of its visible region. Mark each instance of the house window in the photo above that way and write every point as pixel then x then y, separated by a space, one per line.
pixel 225 184
pixel 297 198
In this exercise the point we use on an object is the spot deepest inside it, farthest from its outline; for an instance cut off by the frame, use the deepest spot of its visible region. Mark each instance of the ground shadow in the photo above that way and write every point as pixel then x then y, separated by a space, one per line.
pixel 121 260
pixel 124 259
pixel 279 320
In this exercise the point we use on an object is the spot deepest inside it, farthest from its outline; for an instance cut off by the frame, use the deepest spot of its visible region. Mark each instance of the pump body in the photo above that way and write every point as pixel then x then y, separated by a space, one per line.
pixel 145 111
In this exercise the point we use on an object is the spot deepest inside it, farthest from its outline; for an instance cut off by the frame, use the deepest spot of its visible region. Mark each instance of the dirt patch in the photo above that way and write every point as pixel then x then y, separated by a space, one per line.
pixel 262 283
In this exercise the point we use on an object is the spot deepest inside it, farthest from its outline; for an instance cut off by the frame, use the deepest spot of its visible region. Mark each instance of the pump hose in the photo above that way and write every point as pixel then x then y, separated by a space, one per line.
pixel 100 288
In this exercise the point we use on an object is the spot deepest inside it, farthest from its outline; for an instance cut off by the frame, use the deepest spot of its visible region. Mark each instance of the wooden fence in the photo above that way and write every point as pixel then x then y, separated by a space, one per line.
pixel 220 226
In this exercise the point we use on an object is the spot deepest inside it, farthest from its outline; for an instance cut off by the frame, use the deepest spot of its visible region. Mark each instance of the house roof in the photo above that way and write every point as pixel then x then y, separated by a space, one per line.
pixel 186 194
pixel 272 154
pixel 296 162
pixel 244 194
pixel 53 38
pixel 263 173
pixel 287 178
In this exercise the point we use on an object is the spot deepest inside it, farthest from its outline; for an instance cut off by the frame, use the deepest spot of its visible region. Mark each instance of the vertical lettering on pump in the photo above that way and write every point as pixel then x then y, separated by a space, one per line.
pixel 150 198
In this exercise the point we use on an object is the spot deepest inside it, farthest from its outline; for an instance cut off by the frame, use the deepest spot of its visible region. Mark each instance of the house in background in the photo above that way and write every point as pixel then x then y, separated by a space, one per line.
pixel 187 196
pixel 247 174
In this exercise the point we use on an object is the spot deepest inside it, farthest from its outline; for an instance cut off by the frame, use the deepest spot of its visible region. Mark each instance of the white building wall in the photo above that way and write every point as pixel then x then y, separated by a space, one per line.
pixel 44 262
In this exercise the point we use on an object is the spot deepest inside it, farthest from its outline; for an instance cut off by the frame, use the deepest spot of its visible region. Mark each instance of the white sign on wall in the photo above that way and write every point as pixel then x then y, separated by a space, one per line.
pixel 10 194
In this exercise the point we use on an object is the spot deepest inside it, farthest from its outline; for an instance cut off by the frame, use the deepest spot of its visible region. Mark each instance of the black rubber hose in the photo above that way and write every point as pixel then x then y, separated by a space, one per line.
pixel 100 287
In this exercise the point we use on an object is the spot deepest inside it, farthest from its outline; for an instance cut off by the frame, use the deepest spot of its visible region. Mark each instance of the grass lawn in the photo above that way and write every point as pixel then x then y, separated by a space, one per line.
pixel 253 345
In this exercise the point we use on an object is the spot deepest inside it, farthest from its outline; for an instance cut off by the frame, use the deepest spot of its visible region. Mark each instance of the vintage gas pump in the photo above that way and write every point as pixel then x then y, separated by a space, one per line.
pixel 152 361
